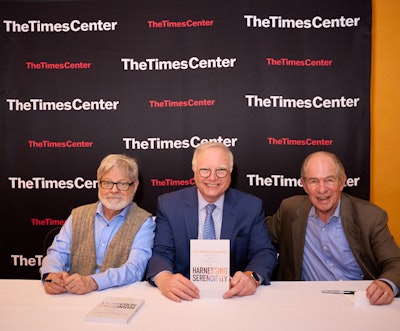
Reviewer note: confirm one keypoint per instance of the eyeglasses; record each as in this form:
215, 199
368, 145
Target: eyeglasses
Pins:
316, 182
122, 186
219, 172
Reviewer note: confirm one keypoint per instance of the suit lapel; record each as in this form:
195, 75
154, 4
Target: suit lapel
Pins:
299, 226
191, 215
352, 231
228, 216
350, 225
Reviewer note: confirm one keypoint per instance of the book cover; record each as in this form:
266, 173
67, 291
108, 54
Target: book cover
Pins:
114, 310
209, 266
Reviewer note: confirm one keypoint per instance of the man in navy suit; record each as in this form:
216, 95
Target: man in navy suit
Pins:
238, 216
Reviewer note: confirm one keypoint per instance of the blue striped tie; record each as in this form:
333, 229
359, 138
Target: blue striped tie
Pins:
209, 230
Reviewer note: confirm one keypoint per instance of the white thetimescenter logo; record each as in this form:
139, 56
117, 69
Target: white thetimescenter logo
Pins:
316, 22
46, 27
20, 260
191, 63
158, 143
41, 183
77, 104
279, 180
279, 101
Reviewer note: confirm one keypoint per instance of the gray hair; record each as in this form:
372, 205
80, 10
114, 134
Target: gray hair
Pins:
212, 144
124, 162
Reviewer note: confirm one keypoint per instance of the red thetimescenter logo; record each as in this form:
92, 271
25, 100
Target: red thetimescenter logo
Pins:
285, 62
167, 24
168, 103
67, 65
299, 142
171, 182
59, 144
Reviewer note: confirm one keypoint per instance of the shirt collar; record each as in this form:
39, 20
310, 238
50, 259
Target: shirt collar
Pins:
335, 216
202, 202
122, 213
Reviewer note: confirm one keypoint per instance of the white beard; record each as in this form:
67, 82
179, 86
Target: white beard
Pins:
111, 203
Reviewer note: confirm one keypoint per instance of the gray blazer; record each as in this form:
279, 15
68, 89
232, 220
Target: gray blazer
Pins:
365, 227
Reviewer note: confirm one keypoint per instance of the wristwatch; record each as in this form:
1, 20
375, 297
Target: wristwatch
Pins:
254, 277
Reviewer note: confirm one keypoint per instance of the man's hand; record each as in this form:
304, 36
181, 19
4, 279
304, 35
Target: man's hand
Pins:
54, 283
241, 285
176, 287
379, 293
79, 284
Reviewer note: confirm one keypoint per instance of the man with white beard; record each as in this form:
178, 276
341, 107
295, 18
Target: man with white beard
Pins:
103, 244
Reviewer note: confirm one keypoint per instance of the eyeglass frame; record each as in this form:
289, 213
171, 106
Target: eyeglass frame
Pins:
215, 171
116, 184
328, 181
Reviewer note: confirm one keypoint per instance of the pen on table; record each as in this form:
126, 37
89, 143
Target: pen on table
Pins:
338, 292
52, 281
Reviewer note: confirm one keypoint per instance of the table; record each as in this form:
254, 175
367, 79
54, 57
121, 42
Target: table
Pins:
281, 306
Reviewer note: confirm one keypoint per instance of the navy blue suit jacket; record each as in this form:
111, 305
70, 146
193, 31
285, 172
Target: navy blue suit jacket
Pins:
243, 222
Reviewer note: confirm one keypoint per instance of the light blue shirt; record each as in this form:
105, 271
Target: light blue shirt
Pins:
58, 254
217, 215
327, 254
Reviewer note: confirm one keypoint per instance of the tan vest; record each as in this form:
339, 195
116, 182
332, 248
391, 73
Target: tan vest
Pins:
83, 250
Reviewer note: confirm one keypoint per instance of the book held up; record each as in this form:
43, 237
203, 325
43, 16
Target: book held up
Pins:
209, 266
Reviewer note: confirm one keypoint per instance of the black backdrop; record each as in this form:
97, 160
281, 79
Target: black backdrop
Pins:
275, 80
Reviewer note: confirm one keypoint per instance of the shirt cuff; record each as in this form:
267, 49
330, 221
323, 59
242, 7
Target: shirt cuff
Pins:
394, 287
152, 280
45, 276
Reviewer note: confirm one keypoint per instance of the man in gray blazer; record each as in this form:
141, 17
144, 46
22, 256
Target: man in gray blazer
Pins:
330, 235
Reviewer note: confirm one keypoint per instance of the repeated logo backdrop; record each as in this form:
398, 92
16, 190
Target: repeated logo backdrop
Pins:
273, 80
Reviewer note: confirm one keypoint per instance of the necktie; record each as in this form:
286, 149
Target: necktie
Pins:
209, 230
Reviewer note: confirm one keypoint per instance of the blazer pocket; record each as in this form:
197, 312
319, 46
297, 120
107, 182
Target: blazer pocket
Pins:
241, 242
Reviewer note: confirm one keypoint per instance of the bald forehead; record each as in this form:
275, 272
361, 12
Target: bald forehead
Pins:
212, 151
318, 162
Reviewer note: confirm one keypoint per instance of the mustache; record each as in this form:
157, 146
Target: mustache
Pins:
113, 195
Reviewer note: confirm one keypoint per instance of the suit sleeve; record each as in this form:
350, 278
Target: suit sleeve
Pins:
163, 250
385, 249
262, 254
